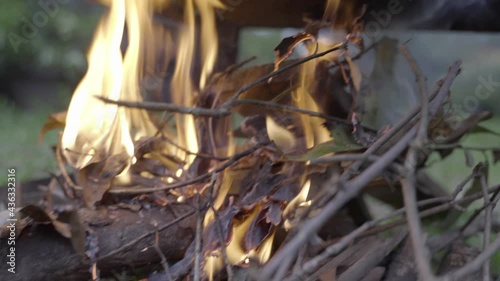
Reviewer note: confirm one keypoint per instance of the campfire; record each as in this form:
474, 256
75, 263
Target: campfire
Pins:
239, 172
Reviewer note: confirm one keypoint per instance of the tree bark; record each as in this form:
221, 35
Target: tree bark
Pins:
43, 254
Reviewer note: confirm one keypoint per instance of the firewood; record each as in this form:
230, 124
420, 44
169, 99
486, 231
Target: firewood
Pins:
43, 254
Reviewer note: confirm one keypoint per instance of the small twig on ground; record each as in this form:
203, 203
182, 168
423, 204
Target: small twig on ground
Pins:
164, 261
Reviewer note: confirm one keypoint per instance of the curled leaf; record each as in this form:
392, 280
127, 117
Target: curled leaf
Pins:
96, 178
287, 45
54, 121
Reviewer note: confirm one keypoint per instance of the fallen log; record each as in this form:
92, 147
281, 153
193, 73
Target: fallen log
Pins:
125, 239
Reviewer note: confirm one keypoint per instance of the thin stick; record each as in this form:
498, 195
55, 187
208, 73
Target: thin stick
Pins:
219, 169
474, 265
408, 182
197, 256
422, 90
487, 224
336, 47
435, 210
290, 108
218, 226
161, 106
284, 256
146, 235
164, 261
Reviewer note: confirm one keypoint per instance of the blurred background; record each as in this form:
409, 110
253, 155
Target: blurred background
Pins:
41, 65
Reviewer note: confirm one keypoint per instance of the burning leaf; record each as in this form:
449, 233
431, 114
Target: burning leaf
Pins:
356, 75
288, 44
264, 184
273, 214
211, 236
54, 121
283, 138
258, 231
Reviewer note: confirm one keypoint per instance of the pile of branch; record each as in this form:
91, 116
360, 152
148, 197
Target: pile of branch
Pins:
136, 226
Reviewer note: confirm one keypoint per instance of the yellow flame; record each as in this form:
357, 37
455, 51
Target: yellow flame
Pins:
184, 92
95, 130
236, 254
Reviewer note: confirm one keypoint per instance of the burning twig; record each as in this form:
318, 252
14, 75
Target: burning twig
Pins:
205, 176
156, 106
336, 47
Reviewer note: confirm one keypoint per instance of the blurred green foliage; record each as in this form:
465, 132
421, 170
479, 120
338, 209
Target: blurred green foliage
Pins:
35, 39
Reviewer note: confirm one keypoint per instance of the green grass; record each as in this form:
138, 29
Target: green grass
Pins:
19, 130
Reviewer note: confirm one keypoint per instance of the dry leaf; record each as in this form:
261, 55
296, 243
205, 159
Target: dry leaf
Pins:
38, 214
54, 121
77, 229
258, 231
287, 45
96, 178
